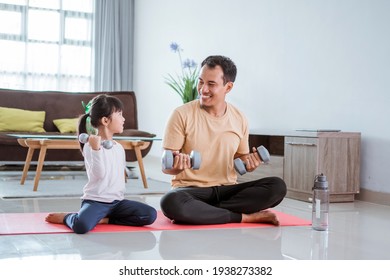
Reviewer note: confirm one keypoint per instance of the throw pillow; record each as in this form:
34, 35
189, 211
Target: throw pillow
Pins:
66, 125
13, 119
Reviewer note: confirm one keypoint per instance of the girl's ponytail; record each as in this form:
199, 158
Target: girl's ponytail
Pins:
82, 128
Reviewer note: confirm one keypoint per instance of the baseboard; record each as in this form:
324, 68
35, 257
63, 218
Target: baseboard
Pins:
373, 197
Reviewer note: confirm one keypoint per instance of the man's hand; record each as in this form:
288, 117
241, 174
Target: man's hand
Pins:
251, 160
180, 162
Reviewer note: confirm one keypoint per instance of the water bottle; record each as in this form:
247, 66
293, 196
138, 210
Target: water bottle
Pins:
320, 209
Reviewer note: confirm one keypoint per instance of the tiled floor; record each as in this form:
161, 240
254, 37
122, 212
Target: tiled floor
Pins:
357, 231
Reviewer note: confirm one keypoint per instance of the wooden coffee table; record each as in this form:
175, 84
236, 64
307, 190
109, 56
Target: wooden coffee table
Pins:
59, 142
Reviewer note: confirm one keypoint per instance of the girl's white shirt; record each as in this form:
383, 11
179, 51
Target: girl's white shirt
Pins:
106, 173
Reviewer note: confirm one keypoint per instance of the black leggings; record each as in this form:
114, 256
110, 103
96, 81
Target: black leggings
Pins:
222, 204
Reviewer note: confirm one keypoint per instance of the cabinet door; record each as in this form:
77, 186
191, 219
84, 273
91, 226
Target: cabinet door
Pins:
300, 165
339, 160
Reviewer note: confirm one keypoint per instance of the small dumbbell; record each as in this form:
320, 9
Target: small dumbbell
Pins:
168, 158
83, 138
239, 165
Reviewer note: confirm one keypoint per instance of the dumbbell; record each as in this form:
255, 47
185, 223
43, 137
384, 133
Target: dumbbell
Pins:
239, 165
83, 138
168, 158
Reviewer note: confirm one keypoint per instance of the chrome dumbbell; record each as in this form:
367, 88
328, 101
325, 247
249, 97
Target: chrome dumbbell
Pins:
264, 155
83, 138
168, 158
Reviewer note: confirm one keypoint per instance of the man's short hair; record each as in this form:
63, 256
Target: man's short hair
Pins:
228, 67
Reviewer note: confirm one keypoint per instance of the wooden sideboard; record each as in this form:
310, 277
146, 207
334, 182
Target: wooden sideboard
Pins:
298, 156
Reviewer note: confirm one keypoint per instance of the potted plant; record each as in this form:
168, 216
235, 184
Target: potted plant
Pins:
185, 84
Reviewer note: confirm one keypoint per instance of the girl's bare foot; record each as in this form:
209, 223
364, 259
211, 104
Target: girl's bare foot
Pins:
55, 218
264, 216
58, 218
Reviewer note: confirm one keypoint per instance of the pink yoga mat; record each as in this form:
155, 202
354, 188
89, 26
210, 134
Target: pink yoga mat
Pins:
34, 223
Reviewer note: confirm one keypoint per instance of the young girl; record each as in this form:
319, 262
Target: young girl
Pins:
103, 199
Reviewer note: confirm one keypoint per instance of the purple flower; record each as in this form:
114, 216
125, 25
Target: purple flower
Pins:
189, 63
175, 47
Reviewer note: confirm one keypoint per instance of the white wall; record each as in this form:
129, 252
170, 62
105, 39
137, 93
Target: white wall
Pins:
301, 64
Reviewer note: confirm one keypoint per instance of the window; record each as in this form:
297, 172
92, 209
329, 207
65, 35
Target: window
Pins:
46, 44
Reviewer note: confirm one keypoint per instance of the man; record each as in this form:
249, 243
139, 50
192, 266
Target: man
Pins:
219, 132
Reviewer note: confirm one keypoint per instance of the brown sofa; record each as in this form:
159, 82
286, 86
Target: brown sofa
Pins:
58, 105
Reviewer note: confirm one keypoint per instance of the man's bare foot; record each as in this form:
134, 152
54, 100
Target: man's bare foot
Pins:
264, 216
55, 218
103, 221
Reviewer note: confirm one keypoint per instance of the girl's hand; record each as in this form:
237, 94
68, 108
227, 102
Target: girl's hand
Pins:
95, 142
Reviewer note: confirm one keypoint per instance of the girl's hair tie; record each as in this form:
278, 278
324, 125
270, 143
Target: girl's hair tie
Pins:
87, 107
88, 126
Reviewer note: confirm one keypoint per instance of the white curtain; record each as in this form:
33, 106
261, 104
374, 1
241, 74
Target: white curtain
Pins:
113, 45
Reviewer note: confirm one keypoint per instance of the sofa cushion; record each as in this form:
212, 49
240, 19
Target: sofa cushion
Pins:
66, 125
13, 119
